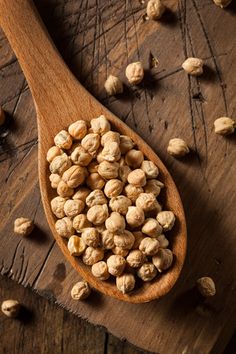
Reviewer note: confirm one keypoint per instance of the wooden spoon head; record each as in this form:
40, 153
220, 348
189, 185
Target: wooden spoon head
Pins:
48, 128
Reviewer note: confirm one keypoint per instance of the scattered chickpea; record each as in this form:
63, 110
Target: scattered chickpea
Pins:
100, 270
193, 66
96, 197
155, 9
166, 219
149, 246
120, 204
153, 186
163, 259
113, 188
80, 156
100, 125
95, 181
111, 152
135, 216
90, 236
132, 192
23, 226
10, 308
147, 202
113, 85
74, 176
91, 143
53, 152
76, 245
54, 179
222, 3
163, 241
57, 206
124, 240
63, 140
150, 169
147, 272
64, 227
80, 222
92, 255
110, 137
108, 170
78, 129
116, 265
134, 158
60, 164
73, 207
81, 194
206, 286
152, 228
63, 190
135, 258
125, 282
224, 126
137, 178
115, 223
177, 147
107, 240
80, 291
126, 144
97, 214
134, 73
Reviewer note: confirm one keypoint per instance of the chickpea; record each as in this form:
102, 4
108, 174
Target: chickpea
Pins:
193, 66
120, 251
111, 152
100, 158
81, 194
132, 192
96, 197
137, 178
124, 171
153, 186
222, 3
135, 216
124, 240
91, 143
80, 222
110, 137
163, 242
100, 125
224, 126
97, 214
108, 170
149, 246
73, 207
147, 272
11, 308
76, 245
100, 270
63, 190
54, 179
53, 152
74, 176
115, 223
64, 227
126, 144
163, 259
135, 258
120, 204
155, 9
147, 202
63, 140
57, 206
177, 147
134, 73
107, 240
113, 85
139, 236
23, 226
95, 181
113, 188
80, 291
116, 265
92, 255
80, 156
78, 129
152, 228
166, 219
91, 237
150, 169
206, 286
134, 158
125, 283
60, 164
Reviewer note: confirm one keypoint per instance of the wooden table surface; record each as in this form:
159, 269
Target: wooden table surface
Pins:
97, 38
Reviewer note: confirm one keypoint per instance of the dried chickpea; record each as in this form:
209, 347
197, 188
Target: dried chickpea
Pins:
150, 169
151, 227
120, 251
224, 126
97, 214
177, 147
60, 164
100, 270
78, 129
76, 245
132, 192
137, 178
134, 158
108, 170
100, 156
110, 137
155, 9
134, 73
120, 204
80, 156
111, 152
163, 242
54, 179
73, 207
147, 272
135, 216
163, 259
125, 282
64, 227
53, 152
80, 291
96, 197
91, 143
23, 226
63, 140
126, 144
135, 258
92, 255
81, 194
63, 190
80, 222
100, 125
139, 236
206, 286
149, 246
113, 188
92, 167
95, 181
193, 66
115, 223
124, 171
222, 3
153, 186
57, 206
10, 308
113, 85
166, 219
147, 202
124, 240
91, 237
107, 240
74, 176
116, 265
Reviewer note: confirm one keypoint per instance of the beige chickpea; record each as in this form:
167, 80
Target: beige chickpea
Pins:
107, 240
135, 216
74, 176
155, 9
100, 156
64, 227
132, 192
91, 237
124, 171
53, 152
80, 222
134, 158
63, 190
224, 126
80, 156
134, 73
126, 144
73, 207
113, 85
80, 291
139, 236
63, 140
57, 206
54, 179
23, 226
100, 270
95, 181
149, 246
97, 214
81, 194
148, 202
222, 3
152, 228
125, 282
147, 272
60, 164
108, 170
153, 186
163, 259
193, 66
206, 286
137, 178
115, 223
166, 219
96, 197
150, 169
110, 137
111, 152
91, 143
113, 188
78, 129
135, 258
163, 241
120, 204
100, 125
124, 240
120, 251
76, 245
11, 308
116, 265
92, 255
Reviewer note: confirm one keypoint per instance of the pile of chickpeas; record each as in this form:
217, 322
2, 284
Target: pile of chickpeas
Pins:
106, 203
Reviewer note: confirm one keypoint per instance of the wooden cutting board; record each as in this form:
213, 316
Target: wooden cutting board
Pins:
97, 38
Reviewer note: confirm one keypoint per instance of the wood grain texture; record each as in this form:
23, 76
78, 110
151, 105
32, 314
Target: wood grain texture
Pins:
98, 38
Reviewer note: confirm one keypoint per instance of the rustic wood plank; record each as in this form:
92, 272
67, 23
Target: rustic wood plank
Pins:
97, 38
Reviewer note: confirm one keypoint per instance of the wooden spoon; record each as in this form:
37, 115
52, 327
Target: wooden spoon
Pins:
60, 100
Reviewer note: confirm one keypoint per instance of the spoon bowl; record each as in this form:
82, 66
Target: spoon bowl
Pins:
60, 100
